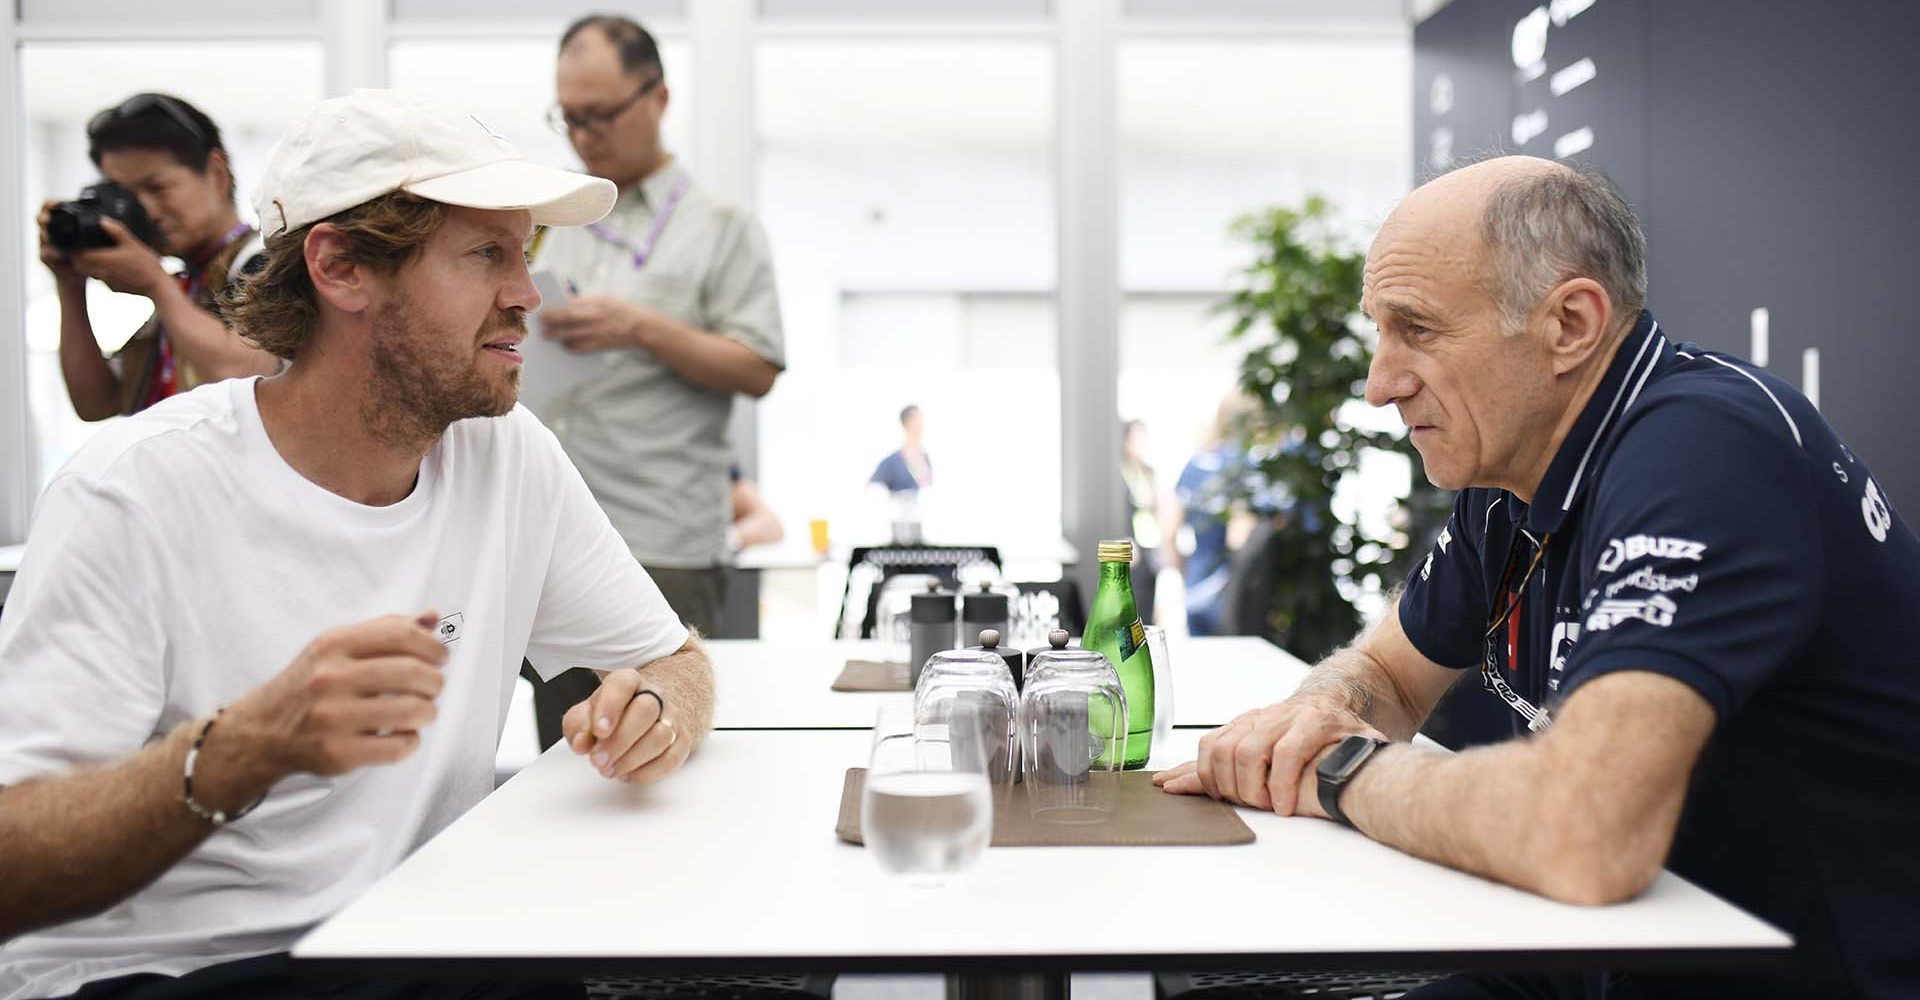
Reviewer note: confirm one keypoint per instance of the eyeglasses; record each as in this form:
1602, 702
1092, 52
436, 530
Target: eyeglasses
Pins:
1535, 718
595, 123
140, 104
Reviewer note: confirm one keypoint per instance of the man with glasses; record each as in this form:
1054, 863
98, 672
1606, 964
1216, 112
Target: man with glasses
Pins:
1694, 599
167, 154
679, 300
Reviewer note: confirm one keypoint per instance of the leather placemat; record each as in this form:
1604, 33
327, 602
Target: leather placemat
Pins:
872, 675
1143, 816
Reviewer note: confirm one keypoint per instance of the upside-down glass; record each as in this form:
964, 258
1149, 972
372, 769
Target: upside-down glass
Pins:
1073, 736
926, 810
967, 697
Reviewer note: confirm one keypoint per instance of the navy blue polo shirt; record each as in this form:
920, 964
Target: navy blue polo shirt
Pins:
1702, 521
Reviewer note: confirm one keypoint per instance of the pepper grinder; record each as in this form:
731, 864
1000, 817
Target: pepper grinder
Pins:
930, 627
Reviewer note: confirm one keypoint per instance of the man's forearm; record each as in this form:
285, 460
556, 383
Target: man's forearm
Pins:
707, 359
1583, 813
91, 384
76, 845
685, 680
206, 343
1351, 679
1469, 811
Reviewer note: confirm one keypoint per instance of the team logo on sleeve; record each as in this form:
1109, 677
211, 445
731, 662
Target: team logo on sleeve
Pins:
1446, 539
1634, 548
1874, 508
1656, 610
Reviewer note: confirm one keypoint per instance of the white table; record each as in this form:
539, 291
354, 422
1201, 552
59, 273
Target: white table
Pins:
769, 685
733, 866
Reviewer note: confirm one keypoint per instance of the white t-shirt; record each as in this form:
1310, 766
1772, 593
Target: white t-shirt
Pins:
178, 563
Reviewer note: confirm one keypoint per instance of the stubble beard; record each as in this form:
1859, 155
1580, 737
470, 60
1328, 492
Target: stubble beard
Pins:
418, 388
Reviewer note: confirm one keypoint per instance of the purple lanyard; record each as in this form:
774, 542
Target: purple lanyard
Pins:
197, 278
645, 248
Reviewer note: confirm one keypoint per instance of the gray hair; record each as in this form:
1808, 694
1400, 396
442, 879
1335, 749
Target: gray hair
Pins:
1562, 224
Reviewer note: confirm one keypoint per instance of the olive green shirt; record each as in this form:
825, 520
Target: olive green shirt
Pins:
652, 445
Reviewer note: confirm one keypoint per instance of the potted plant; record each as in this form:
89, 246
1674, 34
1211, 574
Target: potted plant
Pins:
1295, 308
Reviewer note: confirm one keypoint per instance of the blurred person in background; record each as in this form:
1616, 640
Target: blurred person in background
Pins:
680, 299
751, 521
168, 154
1211, 516
907, 470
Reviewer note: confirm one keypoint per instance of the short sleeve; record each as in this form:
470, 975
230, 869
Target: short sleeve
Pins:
1443, 607
1705, 565
741, 296
83, 641
598, 608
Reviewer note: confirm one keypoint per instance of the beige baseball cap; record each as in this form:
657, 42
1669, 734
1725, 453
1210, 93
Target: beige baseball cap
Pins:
350, 150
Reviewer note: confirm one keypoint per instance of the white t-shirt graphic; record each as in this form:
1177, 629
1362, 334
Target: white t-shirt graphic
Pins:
178, 563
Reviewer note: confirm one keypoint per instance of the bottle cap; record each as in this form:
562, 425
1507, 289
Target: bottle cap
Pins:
1116, 551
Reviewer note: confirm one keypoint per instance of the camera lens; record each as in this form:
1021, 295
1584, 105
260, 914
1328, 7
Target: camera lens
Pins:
66, 225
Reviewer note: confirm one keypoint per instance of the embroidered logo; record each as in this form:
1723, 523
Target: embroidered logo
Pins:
1656, 610
1621, 551
451, 628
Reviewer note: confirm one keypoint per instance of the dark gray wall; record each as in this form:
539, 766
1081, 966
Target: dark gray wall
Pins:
1770, 149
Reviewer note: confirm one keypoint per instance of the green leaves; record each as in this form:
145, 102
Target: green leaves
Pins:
1295, 309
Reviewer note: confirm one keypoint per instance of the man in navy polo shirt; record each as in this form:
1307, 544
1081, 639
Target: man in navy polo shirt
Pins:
1696, 601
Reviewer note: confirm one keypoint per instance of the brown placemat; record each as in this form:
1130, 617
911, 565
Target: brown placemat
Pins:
872, 675
1143, 816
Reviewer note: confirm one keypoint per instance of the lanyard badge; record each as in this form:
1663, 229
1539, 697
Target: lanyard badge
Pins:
1535, 718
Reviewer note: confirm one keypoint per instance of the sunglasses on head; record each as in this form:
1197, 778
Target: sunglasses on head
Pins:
140, 104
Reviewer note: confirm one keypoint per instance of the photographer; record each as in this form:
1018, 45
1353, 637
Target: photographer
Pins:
166, 155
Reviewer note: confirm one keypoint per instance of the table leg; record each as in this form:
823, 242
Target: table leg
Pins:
1051, 986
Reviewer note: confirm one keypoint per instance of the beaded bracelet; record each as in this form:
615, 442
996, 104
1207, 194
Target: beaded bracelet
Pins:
217, 817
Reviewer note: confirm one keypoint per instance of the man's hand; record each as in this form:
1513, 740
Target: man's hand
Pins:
1265, 758
628, 730
53, 257
598, 323
127, 266
357, 695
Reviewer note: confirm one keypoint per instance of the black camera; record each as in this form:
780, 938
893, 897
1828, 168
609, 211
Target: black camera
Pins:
75, 225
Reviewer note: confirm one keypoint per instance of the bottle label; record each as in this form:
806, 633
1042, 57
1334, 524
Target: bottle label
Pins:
1132, 637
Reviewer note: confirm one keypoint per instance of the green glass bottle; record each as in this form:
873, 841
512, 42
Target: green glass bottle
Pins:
1114, 630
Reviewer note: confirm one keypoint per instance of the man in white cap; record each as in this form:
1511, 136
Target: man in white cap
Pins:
264, 633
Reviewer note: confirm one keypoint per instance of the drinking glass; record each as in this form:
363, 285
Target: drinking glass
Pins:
967, 697
926, 810
1073, 736
1162, 686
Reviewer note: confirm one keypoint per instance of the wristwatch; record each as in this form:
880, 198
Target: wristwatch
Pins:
1338, 769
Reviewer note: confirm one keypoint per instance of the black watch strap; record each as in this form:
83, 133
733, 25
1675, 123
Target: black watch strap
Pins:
1330, 784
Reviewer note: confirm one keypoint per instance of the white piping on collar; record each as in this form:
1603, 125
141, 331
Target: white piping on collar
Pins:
1614, 408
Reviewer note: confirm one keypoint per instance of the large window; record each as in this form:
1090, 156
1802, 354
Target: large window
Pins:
1211, 129
908, 189
250, 89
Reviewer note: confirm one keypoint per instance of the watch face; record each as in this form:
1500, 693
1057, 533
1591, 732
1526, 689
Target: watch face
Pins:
1346, 758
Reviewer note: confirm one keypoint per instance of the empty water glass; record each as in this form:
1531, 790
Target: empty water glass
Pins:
967, 697
1073, 734
926, 810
